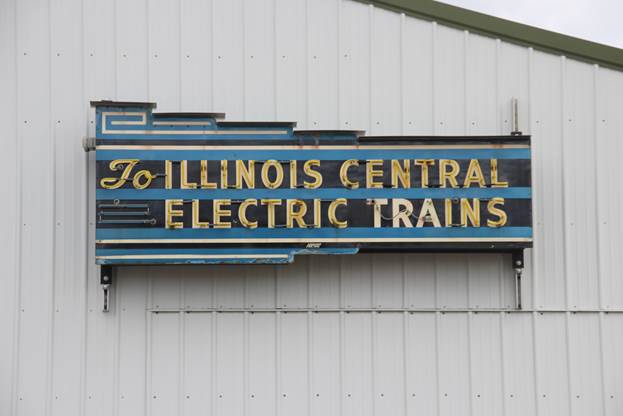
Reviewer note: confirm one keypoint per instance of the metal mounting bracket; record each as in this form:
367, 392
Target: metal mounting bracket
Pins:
515, 117
88, 144
518, 265
106, 280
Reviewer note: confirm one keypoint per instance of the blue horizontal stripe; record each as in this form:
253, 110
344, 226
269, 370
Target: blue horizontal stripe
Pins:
306, 154
199, 136
326, 193
224, 260
224, 251
424, 232
287, 252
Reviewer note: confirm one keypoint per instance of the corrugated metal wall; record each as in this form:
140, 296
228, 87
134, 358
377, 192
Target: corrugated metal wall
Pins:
385, 334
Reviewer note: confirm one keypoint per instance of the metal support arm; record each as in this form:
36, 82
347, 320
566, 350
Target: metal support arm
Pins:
106, 279
518, 265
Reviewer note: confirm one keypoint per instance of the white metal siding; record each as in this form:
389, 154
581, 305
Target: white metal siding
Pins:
364, 335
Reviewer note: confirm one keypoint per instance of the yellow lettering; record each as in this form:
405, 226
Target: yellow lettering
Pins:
168, 174
428, 214
293, 177
184, 183
378, 203
474, 175
307, 168
170, 212
470, 212
270, 207
114, 183
331, 213
344, 174
219, 210
242, 213
495, 183
224, 182
424, 164
295, 210
317, 212
448, 211
196, 222
491, 207
401, 215
142, 174
205, 184
278, 174
402, 173
246, 174
446, 175
372, 173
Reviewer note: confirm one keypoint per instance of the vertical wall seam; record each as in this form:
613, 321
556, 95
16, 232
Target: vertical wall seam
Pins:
277, 322
116, 46
306, 65
82, 380
501, 319
498, 113
371, 71
337, 63
18, 229
211, 107
147, 343
275, 59
182, 345
568, 361
309, 322
148, 54
535, 214
53, 215
181, 392
437, 366
470, 363
434, 78
341, 363
373, 316
565, 233
116, 350
498, 128
405, 362
402, 71
433, 131
179, 55
213, 361
245, 362
466, 129
535, 384
244, 60
600, 277
602, 362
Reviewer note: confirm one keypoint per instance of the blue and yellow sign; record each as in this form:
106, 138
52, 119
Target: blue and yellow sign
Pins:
192, 188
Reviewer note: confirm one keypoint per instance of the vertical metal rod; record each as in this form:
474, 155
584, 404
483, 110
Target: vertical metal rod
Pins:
517, 288
515, 117
106, 279
518, 265
106, 307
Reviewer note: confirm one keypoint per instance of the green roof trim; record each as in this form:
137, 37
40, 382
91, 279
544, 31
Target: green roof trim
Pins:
507, 30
